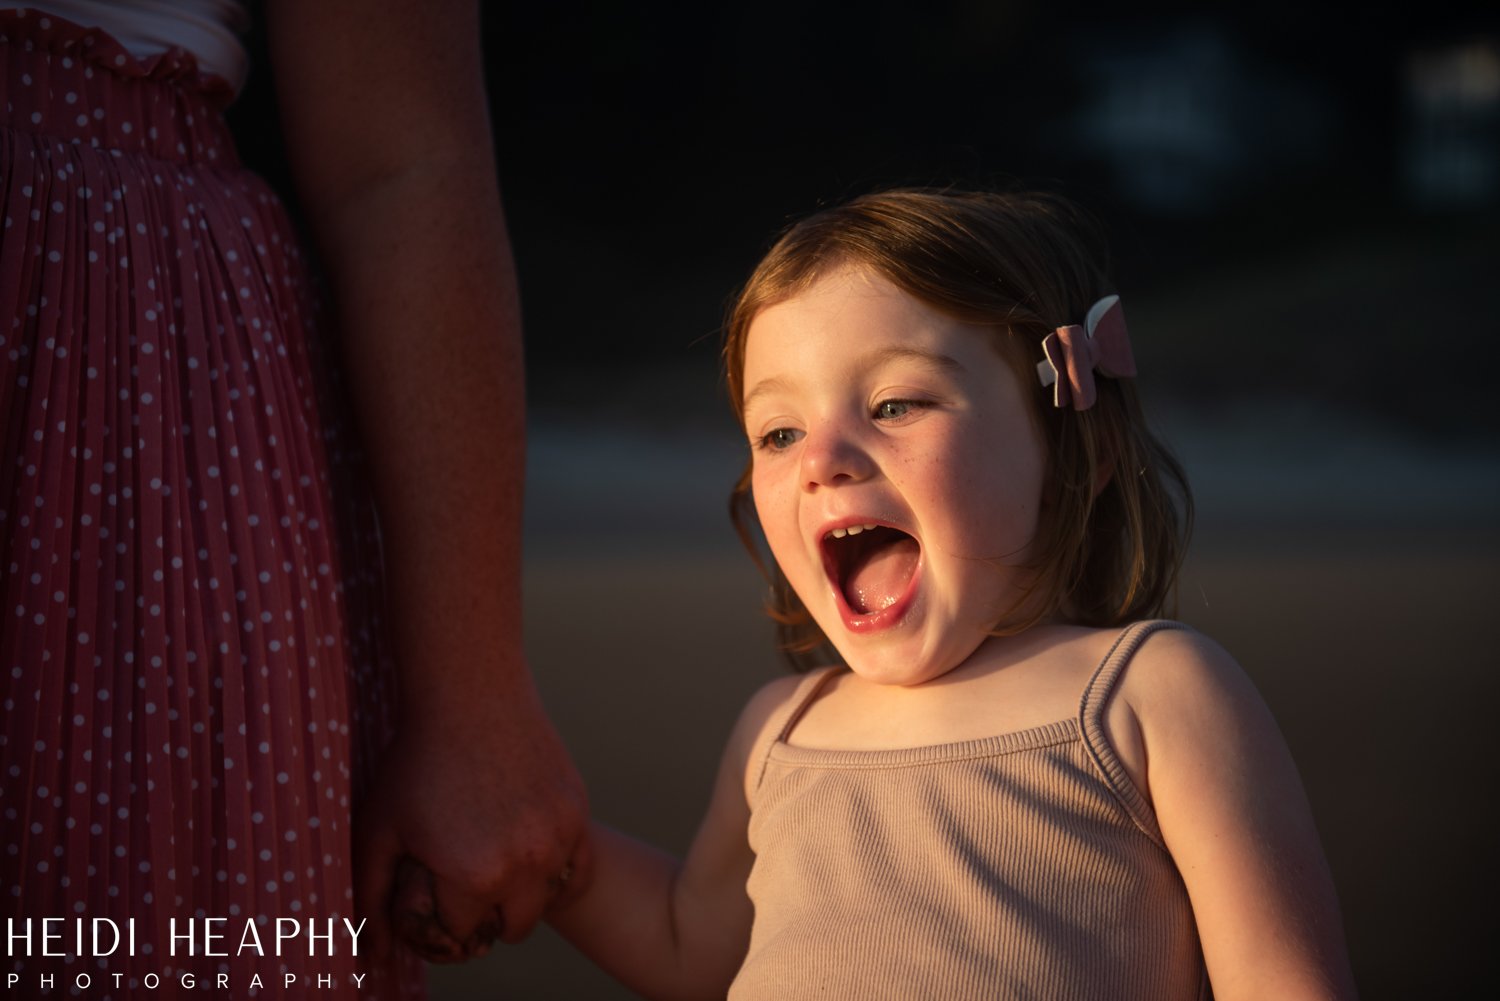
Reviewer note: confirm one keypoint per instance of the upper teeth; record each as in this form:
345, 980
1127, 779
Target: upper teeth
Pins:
839, 533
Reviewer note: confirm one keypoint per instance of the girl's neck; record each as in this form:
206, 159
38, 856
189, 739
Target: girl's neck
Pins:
1009, 683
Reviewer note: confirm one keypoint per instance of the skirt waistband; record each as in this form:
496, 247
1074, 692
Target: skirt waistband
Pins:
77, 84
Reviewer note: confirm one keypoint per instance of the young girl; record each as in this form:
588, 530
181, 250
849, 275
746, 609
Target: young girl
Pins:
1015, 784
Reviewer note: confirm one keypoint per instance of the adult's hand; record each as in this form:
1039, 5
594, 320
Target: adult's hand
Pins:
495, 813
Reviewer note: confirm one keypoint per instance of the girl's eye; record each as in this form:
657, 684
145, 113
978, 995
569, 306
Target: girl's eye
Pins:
892, 410
778, 439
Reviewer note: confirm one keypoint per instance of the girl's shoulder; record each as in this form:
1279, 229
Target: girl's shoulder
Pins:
1176, 669
1176, 690
765, 716
1159, 687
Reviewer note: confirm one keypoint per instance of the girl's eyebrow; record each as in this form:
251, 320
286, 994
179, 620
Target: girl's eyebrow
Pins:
931, 359
762, 388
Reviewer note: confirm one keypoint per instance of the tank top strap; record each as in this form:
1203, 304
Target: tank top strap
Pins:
1091, 710
780, 726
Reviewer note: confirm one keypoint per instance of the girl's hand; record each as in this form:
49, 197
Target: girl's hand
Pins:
666, 928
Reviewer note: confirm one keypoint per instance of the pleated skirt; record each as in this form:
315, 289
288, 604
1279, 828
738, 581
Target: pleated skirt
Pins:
191, 674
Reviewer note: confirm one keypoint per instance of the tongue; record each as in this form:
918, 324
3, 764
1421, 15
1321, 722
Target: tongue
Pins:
881, 578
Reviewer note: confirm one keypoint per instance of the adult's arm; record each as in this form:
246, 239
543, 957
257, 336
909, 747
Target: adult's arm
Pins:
389, 140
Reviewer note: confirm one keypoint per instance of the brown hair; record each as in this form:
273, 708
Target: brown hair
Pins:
1024, 264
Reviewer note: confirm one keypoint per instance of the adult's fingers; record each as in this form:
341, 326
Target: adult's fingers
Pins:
523, 906
414, 915
471, 921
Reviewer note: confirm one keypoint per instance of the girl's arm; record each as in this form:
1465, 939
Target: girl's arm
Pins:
1236, 820
388, 135
672, 929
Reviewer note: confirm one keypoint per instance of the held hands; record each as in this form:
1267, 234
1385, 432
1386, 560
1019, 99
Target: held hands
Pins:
414, 918
474, 827
415, 921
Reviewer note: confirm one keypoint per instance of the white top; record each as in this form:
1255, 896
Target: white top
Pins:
209, 29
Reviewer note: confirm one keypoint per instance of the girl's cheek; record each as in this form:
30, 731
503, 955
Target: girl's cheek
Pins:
767, 506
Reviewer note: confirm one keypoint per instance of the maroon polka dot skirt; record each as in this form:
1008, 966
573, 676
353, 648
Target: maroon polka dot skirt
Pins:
191, 685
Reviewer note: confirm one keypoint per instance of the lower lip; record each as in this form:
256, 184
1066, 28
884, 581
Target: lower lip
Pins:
884, 618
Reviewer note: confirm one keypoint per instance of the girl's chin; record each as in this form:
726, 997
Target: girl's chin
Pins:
905, 661
893, 667
900, 675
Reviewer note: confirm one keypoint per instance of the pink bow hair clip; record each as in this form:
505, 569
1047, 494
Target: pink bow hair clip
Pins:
1075, 353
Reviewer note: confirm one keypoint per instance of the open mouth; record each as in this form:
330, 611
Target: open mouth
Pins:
871, 565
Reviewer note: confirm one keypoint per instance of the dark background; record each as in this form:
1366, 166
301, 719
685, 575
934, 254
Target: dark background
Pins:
648, 154
1304, 204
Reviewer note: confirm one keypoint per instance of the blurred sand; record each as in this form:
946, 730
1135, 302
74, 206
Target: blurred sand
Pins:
1358, 601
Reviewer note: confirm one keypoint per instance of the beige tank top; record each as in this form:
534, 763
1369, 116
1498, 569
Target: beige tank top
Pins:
1026, 865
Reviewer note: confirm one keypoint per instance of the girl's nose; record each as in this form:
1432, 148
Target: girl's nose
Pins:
831, 457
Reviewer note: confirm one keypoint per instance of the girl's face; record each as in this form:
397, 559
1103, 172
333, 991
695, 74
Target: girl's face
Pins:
897, 472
